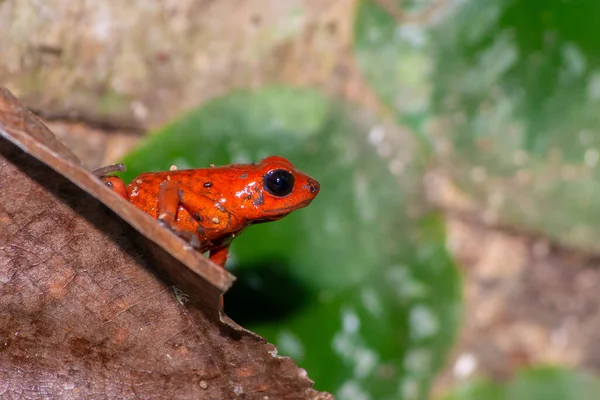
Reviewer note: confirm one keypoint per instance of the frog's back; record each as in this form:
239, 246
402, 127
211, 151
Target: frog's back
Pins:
144, 189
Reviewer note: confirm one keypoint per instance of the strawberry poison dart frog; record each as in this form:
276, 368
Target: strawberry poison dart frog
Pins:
211, 206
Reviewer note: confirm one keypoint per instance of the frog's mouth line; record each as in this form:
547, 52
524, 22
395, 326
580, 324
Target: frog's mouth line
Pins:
269, 219
278, 213
281, 212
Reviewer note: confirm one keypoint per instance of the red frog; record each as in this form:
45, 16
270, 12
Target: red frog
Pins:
211, 206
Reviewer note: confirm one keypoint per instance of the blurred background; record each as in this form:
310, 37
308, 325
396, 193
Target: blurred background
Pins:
452, 252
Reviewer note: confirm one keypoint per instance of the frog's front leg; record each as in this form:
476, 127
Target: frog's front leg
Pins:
219, 255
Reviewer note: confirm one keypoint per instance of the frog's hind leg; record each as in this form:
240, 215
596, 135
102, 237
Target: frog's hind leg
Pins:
168, 203
116, 184
113, 182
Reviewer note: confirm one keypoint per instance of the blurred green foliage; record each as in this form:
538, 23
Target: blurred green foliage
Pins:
544, 383
507, 93
519, 86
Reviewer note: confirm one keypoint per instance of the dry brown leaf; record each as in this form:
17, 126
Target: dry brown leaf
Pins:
84, 309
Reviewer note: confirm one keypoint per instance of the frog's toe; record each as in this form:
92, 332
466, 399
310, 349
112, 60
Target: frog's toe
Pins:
100, 172
195, 242
188, 236
165, 224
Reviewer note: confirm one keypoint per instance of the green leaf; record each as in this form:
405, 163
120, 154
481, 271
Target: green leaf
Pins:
519, 91
511, 92
547, 383
394, 60
362, 296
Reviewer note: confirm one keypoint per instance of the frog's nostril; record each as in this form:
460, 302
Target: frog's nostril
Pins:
313, 186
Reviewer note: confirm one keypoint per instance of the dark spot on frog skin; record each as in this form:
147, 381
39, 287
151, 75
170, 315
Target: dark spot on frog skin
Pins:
109, 184
249, 197
208, 184
259, 200
220, 207
243, 176
198, 217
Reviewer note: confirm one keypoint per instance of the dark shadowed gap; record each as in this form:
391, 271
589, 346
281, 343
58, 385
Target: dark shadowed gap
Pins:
265, 292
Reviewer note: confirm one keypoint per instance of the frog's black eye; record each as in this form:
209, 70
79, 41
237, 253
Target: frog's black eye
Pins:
279, 182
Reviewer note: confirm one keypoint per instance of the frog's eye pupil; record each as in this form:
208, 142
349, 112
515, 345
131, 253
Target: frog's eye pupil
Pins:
279, 182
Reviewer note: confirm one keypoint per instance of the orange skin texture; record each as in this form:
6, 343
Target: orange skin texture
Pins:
211, 206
